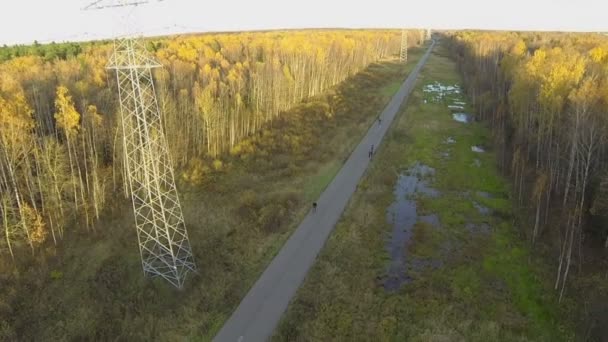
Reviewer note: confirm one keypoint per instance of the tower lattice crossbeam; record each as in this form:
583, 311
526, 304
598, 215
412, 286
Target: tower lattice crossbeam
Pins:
163, 239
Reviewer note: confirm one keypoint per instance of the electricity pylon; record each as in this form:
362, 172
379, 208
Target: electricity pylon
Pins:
163, 240
428, 33
403, 52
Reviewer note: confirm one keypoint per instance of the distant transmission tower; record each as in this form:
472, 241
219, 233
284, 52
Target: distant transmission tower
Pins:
403, 53
428, 33
163, 239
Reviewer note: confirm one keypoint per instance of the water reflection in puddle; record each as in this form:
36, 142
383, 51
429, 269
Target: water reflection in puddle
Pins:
440, 91
403, 216
461, 117
479, 228
477, 149
441, 88
481, 209
484, 194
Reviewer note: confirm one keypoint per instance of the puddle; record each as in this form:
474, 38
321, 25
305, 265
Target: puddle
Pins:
457, 107
477, 149
446, 154
477, 228
418, 265
440, 91
437, 87
403, 216
461, 117
481, 209
484, 194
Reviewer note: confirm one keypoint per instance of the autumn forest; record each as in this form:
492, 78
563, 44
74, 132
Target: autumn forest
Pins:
61, 144
545, 97
257, 125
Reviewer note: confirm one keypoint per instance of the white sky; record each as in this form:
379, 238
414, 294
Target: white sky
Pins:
23, 21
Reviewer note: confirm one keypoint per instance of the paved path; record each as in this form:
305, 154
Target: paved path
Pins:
260, 311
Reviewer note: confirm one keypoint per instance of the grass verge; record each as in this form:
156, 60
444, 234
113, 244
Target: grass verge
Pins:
484, 288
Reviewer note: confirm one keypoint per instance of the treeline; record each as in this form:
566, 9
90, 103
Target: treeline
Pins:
546, 97
48, 52
60, 137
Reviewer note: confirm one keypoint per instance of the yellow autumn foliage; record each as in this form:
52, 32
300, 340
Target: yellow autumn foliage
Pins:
68, 119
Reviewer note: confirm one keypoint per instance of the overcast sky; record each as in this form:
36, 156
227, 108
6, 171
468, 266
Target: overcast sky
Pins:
23, 21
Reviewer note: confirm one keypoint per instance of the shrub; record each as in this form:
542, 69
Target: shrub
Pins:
195, 171
271, 217
217, 165
249, 204
56, 275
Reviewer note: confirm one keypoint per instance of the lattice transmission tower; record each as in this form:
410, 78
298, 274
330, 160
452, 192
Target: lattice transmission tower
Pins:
403, 52
163, 240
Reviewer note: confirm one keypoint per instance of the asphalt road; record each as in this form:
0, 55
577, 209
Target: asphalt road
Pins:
259, 312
